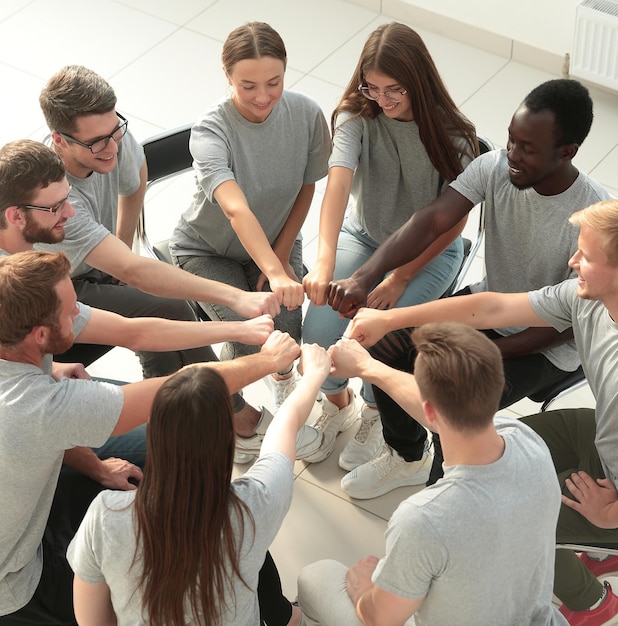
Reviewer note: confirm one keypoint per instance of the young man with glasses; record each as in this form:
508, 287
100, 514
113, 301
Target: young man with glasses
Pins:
107, 170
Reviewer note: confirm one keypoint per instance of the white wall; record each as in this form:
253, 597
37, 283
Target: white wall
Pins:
537, 32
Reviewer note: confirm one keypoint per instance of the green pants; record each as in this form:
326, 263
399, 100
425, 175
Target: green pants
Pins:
569, 435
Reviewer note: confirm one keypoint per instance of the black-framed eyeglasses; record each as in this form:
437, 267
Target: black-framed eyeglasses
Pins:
100, 144
50, 209
371, 93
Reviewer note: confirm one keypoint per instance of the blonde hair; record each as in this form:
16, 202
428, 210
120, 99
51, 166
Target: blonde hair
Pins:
603, 217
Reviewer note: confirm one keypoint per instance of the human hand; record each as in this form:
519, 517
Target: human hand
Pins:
117, 472
69, 370
367, 327
314, 359
348, 358
289, 291
358, 577
281, 349
315, 284
346, 296
594, 499
387, 293
250, 304
256, 331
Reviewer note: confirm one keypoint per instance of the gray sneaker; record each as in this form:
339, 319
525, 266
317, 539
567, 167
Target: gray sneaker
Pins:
367, 443
385, 473
331, 422
308, 440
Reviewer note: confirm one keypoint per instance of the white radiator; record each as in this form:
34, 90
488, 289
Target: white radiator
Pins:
595, 46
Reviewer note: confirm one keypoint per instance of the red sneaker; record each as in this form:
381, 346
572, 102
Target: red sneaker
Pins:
599, 568
601, 616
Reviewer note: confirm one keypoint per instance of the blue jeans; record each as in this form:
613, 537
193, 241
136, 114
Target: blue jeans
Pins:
324, 326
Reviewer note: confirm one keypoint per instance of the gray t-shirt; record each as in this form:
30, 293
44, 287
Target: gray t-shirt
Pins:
270, 162
104, 546
95, 200
393, 175
596, 336
40, 419
480, 542
528, 238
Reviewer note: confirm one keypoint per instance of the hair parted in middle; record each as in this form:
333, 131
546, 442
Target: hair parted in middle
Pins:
185, 504
459, 370
73, 92
28, 296
399, 52
252, 40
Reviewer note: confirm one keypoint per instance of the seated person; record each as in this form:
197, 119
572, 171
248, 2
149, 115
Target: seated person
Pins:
475, 549
529, 190
216, 533
45, 413
34, 208
582, 441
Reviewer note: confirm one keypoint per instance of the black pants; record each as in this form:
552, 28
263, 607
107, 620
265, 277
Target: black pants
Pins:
523, 376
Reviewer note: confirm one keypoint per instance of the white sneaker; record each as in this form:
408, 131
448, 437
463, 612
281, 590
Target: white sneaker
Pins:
331, 422
367, 443
308, 440
385, 473
280, 390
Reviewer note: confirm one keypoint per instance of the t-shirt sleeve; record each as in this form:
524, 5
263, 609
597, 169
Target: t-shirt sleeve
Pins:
415, 554
83, 551
554, 303
83, 412
319, 150
472, 183
129, 165
267, 489
347, 142
81, 319
212, 158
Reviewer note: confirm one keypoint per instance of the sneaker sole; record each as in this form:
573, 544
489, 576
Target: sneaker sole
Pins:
420, 478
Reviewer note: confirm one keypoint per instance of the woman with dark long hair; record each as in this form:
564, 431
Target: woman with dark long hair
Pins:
398, 140
187, 547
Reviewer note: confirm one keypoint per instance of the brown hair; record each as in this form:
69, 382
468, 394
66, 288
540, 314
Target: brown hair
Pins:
252, 41
25, 167
185, 503
602, 216
459, 370
73, 92
399, 52
28, 295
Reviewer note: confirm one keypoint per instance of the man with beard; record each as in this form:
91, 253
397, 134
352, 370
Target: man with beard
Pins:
35, 208
530, 190
44, 412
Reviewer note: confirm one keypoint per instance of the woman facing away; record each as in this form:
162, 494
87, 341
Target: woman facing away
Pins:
188, 545
257, 156
398, 140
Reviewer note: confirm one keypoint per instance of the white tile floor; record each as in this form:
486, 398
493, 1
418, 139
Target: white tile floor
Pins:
163, 59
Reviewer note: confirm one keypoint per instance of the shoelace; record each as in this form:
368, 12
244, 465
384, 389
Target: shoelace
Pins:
365, 430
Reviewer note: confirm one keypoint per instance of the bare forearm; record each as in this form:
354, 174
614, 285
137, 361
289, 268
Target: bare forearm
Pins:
129, 210
296, 219
532, 341
482, 310
157, 334
85, 461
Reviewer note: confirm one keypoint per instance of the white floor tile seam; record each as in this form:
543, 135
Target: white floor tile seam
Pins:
343, 497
